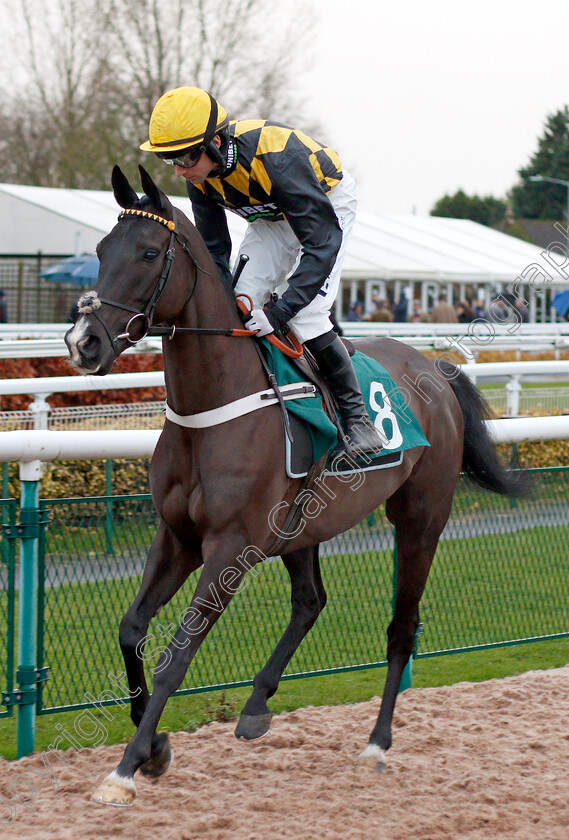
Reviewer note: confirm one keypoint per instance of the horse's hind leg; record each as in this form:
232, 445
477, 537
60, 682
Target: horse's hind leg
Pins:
167, 568
419, 518
308, 598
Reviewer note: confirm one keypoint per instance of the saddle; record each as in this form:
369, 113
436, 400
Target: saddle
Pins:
300, 455
303, 458
307, 457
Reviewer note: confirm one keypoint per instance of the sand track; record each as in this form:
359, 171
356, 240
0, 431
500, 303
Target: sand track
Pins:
485, 760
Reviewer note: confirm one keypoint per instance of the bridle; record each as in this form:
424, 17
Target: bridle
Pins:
90, 302
148, 312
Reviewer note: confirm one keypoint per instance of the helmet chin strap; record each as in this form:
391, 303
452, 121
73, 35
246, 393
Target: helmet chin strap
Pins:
207, 144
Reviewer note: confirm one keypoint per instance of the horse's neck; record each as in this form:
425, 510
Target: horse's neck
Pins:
206, 371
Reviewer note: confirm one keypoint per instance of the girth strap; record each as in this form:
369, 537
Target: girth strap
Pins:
238, 408
288, 529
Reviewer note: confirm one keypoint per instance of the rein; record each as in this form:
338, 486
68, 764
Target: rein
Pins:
91, 302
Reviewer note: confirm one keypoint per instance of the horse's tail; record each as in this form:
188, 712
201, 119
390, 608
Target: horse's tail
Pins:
480, 459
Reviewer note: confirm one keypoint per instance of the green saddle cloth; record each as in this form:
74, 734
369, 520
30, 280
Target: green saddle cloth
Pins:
398, 427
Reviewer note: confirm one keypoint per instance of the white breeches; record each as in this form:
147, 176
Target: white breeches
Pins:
274, 252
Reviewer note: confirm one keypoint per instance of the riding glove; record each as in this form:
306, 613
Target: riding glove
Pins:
260, 320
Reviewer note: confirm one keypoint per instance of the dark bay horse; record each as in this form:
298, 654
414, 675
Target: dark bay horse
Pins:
216, 487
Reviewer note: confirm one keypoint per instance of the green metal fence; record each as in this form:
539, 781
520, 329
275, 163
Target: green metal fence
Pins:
500, 577
501, 573
8, 509
29, 297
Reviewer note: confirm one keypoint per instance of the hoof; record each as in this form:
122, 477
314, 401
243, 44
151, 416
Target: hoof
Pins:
161, 760
115, 790
251, 727
372, 759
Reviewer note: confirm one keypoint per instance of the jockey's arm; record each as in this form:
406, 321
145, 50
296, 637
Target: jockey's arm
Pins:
211, 221
313, 220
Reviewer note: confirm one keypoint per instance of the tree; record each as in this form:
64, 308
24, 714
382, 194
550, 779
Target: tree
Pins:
544, 200
48, 120
487, 211
95, 68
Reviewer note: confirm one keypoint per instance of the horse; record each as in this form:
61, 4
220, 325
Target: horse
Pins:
216, 487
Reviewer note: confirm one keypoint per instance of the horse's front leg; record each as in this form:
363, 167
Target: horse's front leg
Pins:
168, 566
220, 579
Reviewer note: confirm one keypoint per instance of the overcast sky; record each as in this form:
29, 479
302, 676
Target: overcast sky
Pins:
423, 98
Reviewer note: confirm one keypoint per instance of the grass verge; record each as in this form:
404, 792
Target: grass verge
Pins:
192, 711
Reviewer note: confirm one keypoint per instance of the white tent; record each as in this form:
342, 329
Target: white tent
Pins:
440, 253
384, 248
406, 247
58, 221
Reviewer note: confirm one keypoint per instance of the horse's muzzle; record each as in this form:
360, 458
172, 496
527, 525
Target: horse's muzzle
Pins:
86, 351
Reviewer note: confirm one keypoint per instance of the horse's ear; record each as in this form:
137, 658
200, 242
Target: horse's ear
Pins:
153, 192
124, 193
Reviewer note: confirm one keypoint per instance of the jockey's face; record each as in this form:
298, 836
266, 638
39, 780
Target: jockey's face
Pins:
201, 170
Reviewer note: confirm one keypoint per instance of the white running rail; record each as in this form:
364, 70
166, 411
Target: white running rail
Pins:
155, 379
42, 387
46, 340
41, 445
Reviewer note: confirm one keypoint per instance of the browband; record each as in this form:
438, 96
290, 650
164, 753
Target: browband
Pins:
132, 212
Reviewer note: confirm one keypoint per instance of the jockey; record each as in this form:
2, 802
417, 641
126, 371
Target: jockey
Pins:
300, 207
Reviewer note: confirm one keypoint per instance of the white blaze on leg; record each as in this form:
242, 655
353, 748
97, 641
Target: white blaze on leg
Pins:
115, 790
373, 757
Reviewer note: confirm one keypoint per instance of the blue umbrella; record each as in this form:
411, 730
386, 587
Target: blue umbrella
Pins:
561, 303
80, 271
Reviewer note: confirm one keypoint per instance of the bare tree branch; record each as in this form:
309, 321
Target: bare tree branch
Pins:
92, 71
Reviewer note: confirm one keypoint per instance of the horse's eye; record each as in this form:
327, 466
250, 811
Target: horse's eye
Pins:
150, 255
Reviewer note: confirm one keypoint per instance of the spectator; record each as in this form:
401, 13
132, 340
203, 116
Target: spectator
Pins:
3, 308
478, 308
503, 311
382, 312
443, 312
400, 309
420, 317
355, 312
464, 313
522, 310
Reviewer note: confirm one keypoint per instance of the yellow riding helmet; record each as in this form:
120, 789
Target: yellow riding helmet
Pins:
184, 117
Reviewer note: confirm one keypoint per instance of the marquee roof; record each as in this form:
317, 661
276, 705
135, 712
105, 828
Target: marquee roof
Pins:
383, 246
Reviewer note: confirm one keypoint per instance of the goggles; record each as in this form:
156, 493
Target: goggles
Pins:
186, 160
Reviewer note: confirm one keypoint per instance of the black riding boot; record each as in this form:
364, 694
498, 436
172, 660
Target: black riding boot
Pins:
336, 368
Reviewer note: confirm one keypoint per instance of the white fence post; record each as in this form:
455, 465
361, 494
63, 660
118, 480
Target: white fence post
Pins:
40, 409
513, 391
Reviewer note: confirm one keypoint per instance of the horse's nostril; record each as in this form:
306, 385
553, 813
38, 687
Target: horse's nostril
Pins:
89, 347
